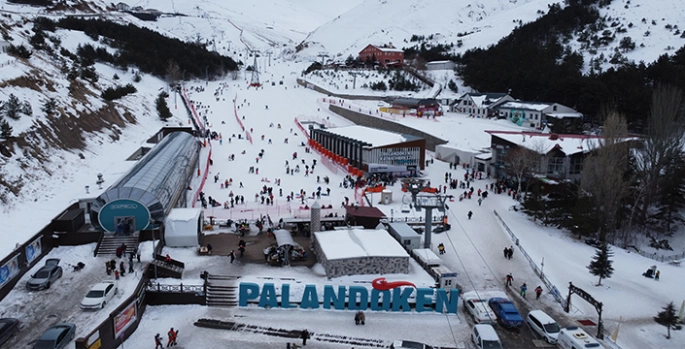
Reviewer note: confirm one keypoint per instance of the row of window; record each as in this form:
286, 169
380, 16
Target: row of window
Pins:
555, 165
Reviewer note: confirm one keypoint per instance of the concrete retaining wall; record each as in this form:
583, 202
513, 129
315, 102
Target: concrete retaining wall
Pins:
386, 125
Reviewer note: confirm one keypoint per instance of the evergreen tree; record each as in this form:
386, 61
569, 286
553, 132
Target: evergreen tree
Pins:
667, 318
49, 107
671, 193
13, 107
162, 108
5, 129
601, 264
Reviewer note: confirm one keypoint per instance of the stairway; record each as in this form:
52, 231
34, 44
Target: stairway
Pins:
172, 269
110, 242
222, 291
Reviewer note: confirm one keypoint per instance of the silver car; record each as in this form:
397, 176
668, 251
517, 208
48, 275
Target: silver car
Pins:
45, 276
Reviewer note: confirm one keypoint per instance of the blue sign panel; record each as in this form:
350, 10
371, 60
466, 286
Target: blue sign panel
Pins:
33, 251
124, 215
9, 270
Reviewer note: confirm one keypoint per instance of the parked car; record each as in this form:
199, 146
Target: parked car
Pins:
8, 328
99, 295
485, 337
507, 315
479, 311
409, 345
56, 337
543, 325
45, 276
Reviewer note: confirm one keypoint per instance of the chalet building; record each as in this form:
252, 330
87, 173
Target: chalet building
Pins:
480, 104
560, 158
385, 55
122, 7
535, 114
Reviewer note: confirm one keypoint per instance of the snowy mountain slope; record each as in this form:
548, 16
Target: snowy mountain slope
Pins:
645, 22
381, 21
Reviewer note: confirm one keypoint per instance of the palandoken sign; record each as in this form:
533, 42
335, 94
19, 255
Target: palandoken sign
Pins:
388, 296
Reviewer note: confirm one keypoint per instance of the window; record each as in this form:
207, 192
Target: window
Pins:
555, 166
407, 242
554, 108
576, 165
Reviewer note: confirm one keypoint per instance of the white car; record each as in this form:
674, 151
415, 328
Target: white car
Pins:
485, 337
543, 325
479, 311
99, 295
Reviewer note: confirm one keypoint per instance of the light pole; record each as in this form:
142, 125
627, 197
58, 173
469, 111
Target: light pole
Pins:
207, 74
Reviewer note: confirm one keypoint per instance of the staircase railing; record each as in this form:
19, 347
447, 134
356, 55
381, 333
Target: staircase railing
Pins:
97, 247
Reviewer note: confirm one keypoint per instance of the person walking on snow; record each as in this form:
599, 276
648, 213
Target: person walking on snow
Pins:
158, 342
538, 292
524, 288
510, 278
170, 334
304, 335
441, 248
470, 214
231, 256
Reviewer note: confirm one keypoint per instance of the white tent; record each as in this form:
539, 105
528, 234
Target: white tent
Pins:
183, 227
284, 237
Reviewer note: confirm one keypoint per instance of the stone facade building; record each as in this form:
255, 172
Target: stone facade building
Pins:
359, 251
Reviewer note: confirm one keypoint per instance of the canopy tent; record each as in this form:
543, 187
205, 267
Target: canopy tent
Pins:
284, 237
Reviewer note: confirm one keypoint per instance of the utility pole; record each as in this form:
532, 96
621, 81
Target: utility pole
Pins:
214, 41
354, 79
207, 75
269, 54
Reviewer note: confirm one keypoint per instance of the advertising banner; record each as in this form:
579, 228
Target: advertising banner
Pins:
33, 251
9, 270
125, 319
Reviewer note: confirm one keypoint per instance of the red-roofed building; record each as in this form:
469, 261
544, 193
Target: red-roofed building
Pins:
385, 55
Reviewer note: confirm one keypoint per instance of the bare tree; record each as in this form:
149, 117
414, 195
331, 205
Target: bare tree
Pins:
519, 162
662, 145
173, 73
604, 173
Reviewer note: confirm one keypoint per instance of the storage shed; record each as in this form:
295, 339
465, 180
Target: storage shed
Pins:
407, 236
183, 227
70, 221
427, 258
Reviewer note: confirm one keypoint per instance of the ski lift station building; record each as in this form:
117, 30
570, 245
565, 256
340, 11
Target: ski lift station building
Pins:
144, 196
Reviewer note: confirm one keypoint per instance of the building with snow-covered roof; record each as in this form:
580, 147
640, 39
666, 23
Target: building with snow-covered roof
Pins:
373, 150
385, 55
561, 155
479, 104
359, 251
440, 65
535, 114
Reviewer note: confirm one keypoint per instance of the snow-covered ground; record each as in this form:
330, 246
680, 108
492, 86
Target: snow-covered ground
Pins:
474, 247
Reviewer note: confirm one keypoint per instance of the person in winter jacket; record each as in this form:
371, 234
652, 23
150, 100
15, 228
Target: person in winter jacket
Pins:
524, 288
158, 341
510, 278
538, 292
304, 335
171, 335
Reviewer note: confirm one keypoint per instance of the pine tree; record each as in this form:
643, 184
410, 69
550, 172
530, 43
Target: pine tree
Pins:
601, 264
49, 107
162, 108
5, 129
671, 193
667, 318
13, 107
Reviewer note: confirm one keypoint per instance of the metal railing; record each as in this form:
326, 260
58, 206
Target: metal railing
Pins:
181, 288
553, 290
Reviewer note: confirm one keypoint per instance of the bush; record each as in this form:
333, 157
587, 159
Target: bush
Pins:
19, 51
111, 94
379, 86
